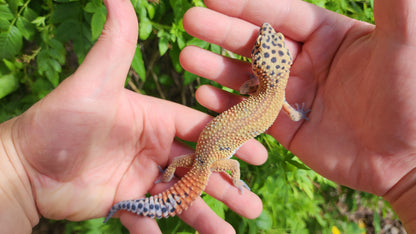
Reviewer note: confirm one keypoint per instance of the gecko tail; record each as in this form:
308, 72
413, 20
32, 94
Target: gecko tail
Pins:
169, 203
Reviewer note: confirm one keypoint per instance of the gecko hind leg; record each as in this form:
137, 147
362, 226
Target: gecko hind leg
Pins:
233, 166
180, 161
297, 113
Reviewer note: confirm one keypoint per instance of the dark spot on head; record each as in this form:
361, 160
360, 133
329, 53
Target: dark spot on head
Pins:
151, 206
273, 51
271, 85
185, 194
283, 60
145, 209
123, 206
140, 205
128, 206
281, 53
163, 209
266, 55
157, 206
277, 66
273, 60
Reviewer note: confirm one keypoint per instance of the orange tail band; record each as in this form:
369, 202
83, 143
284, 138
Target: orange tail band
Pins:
169, 203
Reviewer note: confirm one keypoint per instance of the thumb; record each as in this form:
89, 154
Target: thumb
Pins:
396, 18
107, 63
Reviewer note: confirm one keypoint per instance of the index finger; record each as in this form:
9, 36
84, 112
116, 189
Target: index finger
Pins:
294, 18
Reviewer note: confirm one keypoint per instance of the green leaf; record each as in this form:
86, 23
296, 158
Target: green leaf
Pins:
174, 57
189, 78
145, 28
138, 64
181, 41
54, 65
39, 21
163, 45
8, 84
5, 12
53, 77
64, 12
97, 22
56, 50
90, 7
215, 48
150, 10
14, 5
69, 30
198, 42
48, 61
165, 80
4, 24
9, 65
30, 14
217, 206
264, 221
10, 43
26, 27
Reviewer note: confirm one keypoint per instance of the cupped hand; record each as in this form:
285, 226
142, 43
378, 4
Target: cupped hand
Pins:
91, 143
356, 78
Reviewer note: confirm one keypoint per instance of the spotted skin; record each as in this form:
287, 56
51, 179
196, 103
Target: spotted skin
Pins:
221, 137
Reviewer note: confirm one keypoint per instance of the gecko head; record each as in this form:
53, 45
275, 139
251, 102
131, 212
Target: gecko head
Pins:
270, 55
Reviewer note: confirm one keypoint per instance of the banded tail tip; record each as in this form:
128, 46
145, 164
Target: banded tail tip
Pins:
109, 215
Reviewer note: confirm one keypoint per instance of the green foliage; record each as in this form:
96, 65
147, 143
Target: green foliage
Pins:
44, 41
357, 9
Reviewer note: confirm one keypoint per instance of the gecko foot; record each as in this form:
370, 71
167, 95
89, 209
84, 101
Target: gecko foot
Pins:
240, 184
250, 86
162, 171
302, 111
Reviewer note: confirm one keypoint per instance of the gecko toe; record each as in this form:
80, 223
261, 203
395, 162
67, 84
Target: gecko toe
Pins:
302, 111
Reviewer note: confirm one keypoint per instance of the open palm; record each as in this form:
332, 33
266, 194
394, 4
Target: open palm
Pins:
91, 142
356, 78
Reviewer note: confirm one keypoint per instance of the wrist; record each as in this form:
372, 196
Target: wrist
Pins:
18, 213
402, 198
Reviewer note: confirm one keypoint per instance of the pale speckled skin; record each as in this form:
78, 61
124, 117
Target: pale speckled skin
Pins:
221, 137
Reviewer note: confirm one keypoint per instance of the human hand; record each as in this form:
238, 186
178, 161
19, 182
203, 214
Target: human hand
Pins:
356, 78
91, 143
